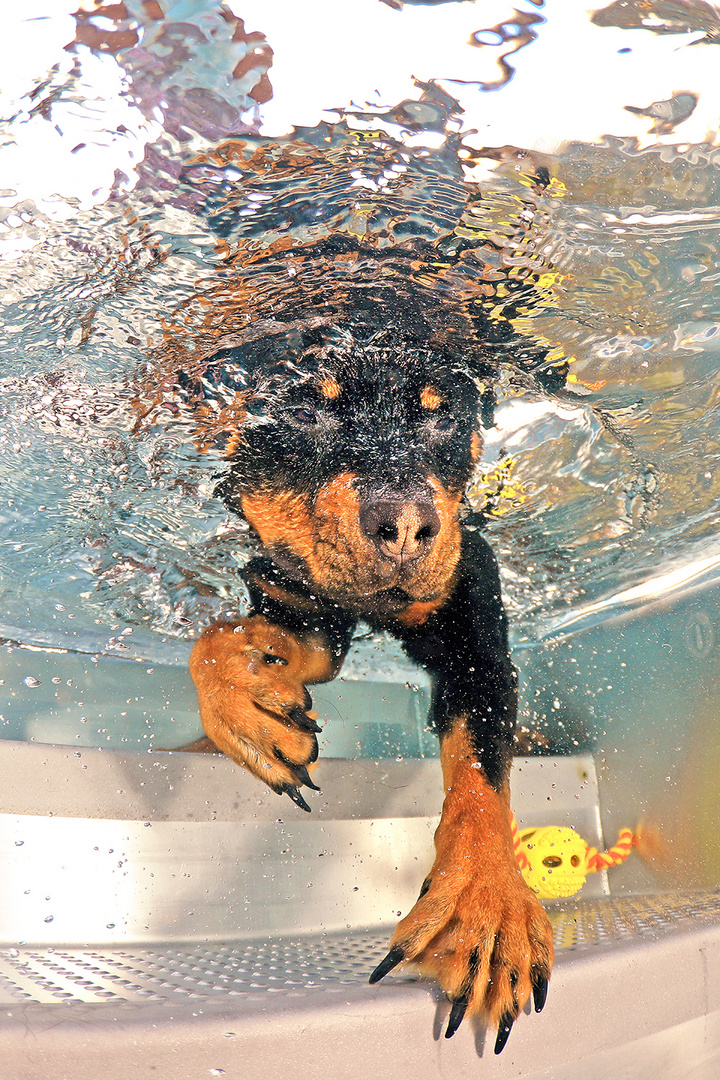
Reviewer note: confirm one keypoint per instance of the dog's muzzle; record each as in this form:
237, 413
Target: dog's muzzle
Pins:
402, 530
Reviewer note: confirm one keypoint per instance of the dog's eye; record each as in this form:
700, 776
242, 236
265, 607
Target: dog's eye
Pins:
304, 414
444, 423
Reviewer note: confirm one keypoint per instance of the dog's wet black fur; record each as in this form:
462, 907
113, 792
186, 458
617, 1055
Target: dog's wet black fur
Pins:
357, 408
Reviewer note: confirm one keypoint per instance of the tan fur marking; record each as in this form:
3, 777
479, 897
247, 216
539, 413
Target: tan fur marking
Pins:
295, 601
250, 677
476, 901
340, 559
417, 613
476, 447
430, 398
446, 551
281, 518
338, 500
330, 387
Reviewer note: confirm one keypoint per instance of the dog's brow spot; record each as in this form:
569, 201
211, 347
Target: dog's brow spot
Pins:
330, 387
430, 398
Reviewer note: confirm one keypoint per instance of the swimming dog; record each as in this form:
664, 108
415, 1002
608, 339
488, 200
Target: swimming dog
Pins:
350, 461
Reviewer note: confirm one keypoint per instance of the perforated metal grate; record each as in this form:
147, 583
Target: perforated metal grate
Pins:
239, 970
310, 964
592, 924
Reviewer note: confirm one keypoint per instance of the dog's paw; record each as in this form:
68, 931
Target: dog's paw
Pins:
485, 938
253, 704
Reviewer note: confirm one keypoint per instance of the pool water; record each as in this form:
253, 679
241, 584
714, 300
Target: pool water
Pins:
528, 182
455, 168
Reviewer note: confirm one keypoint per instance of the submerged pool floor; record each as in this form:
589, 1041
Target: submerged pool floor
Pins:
645, 970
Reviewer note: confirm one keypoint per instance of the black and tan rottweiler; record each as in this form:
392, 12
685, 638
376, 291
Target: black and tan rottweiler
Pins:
350, 457
350, 463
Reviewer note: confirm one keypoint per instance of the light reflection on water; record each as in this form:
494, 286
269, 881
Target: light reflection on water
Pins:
385, 205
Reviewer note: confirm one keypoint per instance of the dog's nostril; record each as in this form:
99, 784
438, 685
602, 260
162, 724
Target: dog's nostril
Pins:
387, 533
425, 533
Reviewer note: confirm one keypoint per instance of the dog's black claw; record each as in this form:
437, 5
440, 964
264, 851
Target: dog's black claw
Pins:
504, 1029
304, 776
456, 1016
299, 717
424, 887
392, 959
540, 989
297, 798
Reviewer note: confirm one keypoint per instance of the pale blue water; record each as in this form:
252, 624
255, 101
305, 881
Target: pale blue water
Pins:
112, 542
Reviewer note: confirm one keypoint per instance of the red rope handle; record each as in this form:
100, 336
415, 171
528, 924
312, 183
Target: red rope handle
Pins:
618, 853
522, 859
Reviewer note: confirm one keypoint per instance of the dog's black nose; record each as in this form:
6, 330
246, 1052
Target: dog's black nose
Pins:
402, 530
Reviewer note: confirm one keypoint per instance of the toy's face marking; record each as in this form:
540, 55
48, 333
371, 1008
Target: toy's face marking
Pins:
556, 861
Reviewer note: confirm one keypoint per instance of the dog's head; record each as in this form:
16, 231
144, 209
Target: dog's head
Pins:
351, 464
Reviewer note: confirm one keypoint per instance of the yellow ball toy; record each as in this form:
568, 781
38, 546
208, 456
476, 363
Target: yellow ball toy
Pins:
555, 861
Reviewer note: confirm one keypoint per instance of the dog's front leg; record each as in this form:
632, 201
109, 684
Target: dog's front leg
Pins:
251, 679
476, 926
